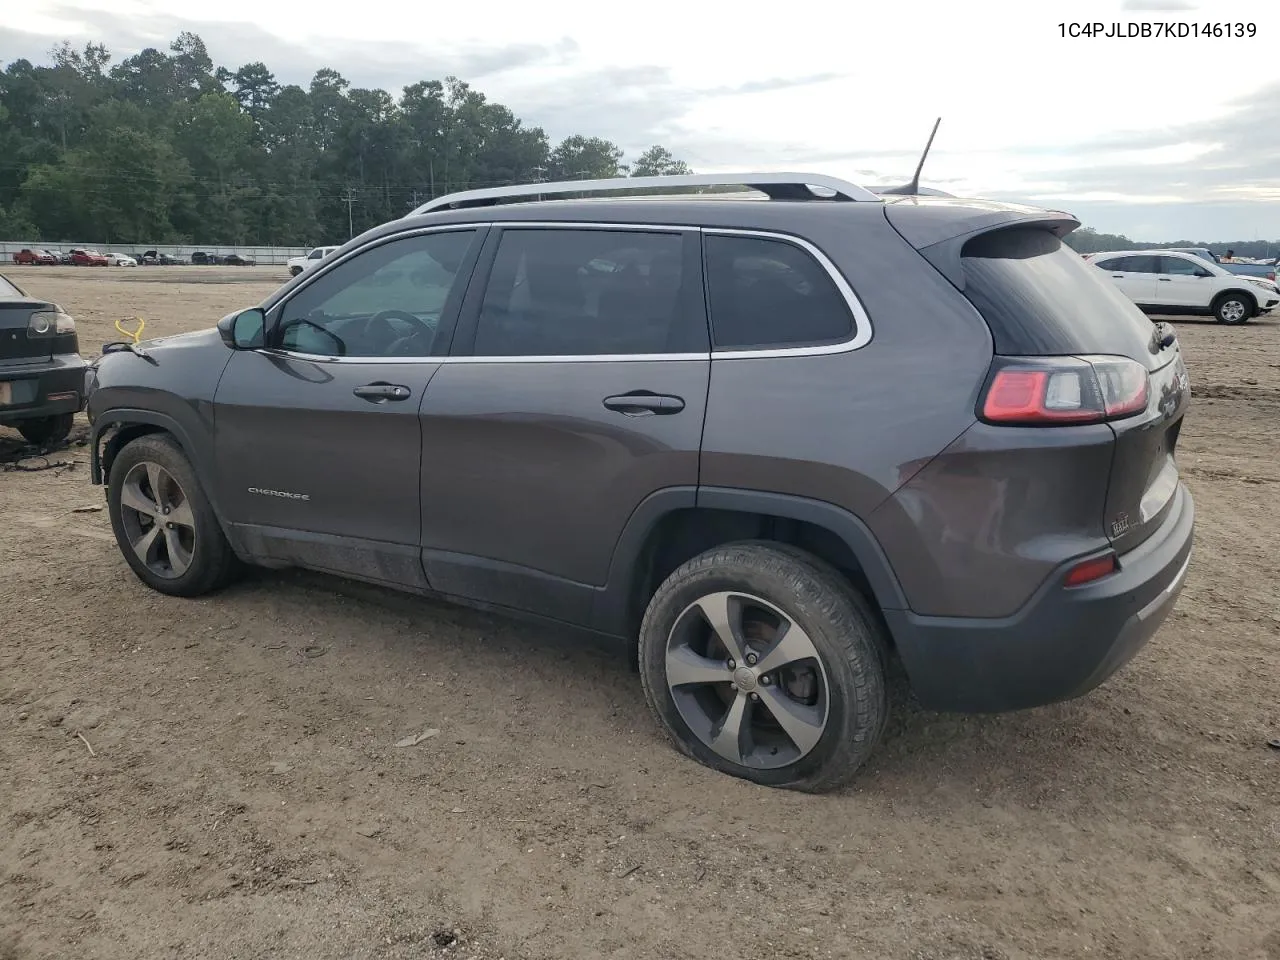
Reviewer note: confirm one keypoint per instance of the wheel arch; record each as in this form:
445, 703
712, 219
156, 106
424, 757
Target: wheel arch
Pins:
1232, 291
113, 429
676, 524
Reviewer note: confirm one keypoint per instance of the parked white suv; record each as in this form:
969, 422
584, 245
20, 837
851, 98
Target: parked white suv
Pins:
298, 264
1169, 282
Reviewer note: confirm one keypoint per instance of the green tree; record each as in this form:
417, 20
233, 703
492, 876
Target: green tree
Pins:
657, 161
585, 158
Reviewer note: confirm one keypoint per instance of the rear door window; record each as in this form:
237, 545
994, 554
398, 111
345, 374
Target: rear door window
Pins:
1141, 264
1040, 299
1178, 267
766, 293
558, 292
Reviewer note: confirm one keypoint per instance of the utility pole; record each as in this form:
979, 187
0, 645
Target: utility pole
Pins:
350, 201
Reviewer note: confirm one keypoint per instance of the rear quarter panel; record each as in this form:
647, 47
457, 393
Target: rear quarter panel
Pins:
851, 428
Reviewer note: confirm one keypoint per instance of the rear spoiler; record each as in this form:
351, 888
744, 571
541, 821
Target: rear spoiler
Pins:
939, 230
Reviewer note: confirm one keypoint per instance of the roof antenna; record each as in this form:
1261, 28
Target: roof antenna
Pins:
913, 188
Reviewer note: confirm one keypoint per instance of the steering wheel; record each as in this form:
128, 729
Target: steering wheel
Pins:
396, 346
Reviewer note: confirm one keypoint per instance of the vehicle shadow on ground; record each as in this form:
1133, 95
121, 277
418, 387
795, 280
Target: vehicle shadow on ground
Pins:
1039, 749
17, 454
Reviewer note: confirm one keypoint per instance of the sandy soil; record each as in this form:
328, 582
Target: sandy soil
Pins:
218, 778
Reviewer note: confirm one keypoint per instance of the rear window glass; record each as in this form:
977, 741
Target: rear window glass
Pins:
1040, 299
771, 293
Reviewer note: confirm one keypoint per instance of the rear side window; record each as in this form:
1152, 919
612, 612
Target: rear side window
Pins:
1143, 264
1178, 267
767, 293
557, 292
1040, 299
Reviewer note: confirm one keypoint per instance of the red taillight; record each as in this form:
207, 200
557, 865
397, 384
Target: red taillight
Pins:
1091, 570
1065, 390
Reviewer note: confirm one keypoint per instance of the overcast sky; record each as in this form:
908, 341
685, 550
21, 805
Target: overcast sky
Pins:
1159, 139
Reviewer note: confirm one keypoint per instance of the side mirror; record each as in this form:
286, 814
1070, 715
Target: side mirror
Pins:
1203, 273
243, 330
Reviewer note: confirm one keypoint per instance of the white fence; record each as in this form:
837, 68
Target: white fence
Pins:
182, 252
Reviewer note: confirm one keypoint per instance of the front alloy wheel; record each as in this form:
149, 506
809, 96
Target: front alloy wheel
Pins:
157, 520
164, 524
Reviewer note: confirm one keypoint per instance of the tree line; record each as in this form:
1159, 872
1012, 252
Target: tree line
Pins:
167, 147
1086, 240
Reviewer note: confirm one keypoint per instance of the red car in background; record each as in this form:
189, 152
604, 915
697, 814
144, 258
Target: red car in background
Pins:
88, 258
41, 258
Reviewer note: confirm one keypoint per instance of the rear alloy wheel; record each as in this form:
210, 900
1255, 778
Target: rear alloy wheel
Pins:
764, 663
164, 525
1233, 309
43, 431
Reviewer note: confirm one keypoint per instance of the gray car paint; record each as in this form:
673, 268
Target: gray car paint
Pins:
528, 490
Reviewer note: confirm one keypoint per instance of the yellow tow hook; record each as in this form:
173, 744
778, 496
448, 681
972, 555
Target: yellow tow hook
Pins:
134, 335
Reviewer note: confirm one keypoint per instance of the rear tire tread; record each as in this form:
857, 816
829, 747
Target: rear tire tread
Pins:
826, 601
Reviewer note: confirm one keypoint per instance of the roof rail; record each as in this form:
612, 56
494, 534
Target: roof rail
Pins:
777, 186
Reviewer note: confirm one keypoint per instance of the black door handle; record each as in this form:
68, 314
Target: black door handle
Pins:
1166, 279
382, 392
642, 403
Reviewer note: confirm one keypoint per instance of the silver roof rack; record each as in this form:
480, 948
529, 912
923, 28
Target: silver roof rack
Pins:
776, 186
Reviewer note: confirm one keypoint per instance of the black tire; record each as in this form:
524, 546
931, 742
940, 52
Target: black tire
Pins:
213, 564
43, 431
1234, 309
294, 271
843, 629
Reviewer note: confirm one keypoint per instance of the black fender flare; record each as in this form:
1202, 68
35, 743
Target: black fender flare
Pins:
129, 415
611, 607
111, 418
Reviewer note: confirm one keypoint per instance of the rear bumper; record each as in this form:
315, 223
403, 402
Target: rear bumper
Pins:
1062, 644
43, 389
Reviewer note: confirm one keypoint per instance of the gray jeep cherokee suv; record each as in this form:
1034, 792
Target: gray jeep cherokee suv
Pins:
770, 441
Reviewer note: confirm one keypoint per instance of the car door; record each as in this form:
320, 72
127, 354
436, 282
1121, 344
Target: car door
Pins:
1183, 283
316, 432
577, 390
1134, 275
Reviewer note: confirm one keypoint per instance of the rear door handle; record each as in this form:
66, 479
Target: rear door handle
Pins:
382, 392
642, 403
1166, 279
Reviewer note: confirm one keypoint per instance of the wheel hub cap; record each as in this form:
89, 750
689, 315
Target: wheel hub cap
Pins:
744, 678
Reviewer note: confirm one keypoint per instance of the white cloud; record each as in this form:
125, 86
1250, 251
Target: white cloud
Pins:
838, 89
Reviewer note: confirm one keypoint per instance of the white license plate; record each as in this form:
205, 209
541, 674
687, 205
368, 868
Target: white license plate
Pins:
6, 392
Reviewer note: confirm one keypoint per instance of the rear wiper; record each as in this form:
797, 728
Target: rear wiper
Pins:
118, 345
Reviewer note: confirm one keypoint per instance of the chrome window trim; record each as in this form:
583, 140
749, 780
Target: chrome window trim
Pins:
861, 321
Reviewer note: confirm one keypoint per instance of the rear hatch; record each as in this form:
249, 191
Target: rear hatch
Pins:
1041, 300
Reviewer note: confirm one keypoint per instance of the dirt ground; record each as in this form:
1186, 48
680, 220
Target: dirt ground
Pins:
219, 778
